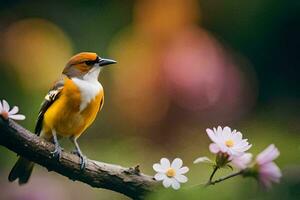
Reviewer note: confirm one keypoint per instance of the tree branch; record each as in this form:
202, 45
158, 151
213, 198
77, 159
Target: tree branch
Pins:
128, 181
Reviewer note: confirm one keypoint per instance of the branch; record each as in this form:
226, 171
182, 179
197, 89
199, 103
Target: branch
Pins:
212, 175
225, 178
128, 181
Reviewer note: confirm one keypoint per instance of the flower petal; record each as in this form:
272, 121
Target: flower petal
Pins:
224, 148
175, 185
165, 163
269, 173
181, 178
267, 155
214, 148
244, 148
211, 135
5, 105
1, 108
241, 162
183, 170
271, 170
203, 159
238, 136
157, 167
177, 163
160, 176
167, 182
17, 117
226, 132
14, 110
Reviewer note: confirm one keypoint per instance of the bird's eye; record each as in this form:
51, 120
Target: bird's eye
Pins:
89, 62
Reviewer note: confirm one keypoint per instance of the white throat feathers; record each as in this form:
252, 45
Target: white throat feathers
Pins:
89, 86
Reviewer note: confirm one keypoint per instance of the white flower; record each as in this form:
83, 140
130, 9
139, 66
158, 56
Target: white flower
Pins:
241, 162
5, 113
203, 159
170, 174
268, 171
227, 141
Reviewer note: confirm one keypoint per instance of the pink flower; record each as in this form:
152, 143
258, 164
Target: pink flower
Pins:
227, 141
5, 113
268, 171
241, 162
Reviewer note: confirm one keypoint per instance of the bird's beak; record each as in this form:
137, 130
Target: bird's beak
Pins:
104, 61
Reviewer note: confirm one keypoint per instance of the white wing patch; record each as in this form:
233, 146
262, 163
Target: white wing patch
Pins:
89, 88
52, 94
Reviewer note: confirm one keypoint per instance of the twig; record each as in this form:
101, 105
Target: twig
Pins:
225, 178
212, 175
128, 181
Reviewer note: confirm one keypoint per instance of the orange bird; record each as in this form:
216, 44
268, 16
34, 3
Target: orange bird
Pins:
69, 108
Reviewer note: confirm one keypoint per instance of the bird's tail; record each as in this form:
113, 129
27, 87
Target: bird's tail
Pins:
21, 170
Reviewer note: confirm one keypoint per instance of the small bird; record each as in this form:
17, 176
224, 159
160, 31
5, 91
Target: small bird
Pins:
69, 108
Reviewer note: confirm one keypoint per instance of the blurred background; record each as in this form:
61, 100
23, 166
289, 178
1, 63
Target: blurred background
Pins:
183, 66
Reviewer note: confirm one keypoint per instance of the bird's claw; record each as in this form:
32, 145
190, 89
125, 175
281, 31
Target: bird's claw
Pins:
57, 152
82, 158
82, 162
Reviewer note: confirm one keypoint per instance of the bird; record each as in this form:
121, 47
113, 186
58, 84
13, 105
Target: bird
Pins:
69, 108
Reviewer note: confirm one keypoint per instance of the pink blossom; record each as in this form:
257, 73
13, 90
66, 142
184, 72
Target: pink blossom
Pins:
227, 141
241, 162
6, 113
268, 171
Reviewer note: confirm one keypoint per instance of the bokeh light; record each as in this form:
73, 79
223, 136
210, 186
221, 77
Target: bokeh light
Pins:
168, 63
37, 49
205, 77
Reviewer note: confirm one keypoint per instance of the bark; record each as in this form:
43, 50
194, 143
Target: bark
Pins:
128, 181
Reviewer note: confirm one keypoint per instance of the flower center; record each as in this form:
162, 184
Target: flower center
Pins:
170, 172
4, 114
229, 143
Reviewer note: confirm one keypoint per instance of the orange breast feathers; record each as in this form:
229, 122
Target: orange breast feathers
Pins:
65, 115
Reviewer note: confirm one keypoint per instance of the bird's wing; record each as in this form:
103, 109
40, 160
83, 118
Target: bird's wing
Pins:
50, 98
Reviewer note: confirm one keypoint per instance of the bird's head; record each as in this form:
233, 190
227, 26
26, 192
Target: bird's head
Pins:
85, 65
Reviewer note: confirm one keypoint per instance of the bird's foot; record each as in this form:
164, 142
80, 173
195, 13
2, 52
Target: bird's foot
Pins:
57, 152
83, 159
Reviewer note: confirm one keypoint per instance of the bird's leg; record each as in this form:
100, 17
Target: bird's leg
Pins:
57, 151
78, 152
